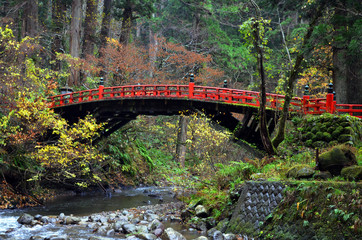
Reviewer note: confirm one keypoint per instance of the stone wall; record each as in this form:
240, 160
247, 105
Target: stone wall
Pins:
257, 200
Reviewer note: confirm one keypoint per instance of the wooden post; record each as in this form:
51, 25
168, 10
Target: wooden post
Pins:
305, 103
100, 92
329, 100
191, 86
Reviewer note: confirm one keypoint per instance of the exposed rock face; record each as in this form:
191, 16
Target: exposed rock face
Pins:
337, 158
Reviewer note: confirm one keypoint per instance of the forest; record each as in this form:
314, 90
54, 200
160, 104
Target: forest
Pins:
275, 46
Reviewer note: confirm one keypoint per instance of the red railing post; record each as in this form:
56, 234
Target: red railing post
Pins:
305, 103
100, 91
191, 86
329, 99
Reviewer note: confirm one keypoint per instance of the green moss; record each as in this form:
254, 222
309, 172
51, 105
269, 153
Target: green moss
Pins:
309, 142
315, 129
345, 138
307, 136
316, 210
327, 137
353, 173
318, 144
337, 132
319, 136
348, 130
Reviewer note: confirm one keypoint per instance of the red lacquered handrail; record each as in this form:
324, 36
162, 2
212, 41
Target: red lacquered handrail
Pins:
235, 96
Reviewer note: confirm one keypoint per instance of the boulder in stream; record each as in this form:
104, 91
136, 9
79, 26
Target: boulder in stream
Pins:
171, 234
25, 219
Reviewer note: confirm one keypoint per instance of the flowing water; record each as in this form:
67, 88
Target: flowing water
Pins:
81, 205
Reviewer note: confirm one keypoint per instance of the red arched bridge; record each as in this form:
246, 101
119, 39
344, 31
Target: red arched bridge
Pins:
232, 108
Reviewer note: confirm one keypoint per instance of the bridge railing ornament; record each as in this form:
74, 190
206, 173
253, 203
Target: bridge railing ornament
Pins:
304, 105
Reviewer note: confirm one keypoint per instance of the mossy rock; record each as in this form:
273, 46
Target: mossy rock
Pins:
345, 138
331, 129
327, 137
309, 143
348, 130
307, 136
337, 158
353, 173
345, 124
315, 130
338, 131
300, 171
319, 135
322, 175
333, 143
319, 144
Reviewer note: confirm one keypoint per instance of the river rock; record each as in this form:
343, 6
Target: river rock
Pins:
99, 238
133, 237
129, 228
146, 236
218, 235
201, 211
61, 217
150, 216
117, 226
135, 220
210, 232
71, 220
155, 224
64, 237
142, 229
201, 238
102, 230
25, 219
36, 238
110, 232
229, 236
158, 232
171, 234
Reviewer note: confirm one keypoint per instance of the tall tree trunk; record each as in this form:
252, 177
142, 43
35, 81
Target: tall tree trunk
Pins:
106, 23
58, 18
279, 137
30, 19
75, 39
126, 24
90, 25
153, 49
264, 132
346, 68
181, 141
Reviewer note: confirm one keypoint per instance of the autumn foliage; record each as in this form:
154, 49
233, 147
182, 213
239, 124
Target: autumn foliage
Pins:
162, 63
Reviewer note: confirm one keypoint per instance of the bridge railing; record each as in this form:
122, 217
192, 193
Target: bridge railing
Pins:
234, 96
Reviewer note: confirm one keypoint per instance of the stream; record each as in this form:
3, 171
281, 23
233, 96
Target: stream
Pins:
81, 206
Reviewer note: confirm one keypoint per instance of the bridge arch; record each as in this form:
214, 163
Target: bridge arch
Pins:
239, 119
121, 104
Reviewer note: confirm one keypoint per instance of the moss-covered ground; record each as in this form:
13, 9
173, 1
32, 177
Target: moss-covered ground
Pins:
317, 210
